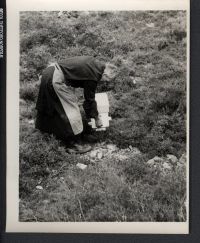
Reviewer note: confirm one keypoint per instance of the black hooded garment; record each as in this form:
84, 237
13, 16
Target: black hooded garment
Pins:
84, 72
82, 68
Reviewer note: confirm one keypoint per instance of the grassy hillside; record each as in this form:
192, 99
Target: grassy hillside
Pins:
148, 108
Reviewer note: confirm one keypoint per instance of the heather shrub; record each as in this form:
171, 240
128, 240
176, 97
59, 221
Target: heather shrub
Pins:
147, 105
29, 91
89, 39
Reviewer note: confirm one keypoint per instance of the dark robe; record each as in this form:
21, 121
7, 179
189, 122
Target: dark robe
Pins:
84, 72
82, 68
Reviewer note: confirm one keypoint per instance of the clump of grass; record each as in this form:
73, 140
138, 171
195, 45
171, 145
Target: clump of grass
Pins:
29, 91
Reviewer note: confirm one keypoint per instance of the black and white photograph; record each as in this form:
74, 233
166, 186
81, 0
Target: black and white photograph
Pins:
103, 116
97, 121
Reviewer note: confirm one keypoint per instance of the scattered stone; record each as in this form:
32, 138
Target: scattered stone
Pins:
48, 170
81, 166
111, 147
60, 14
92, 161
93, 153
166, 166
130, 147
39, 187
100, 155
182, 159
46, 201
135, 151
155, 160
172, 158
22, 102
151, 162
121, 157
54, 172
31, 122
180, 166
62, 178
40, 181
136, 80
84, 13
22, 162
158, 159
150, 25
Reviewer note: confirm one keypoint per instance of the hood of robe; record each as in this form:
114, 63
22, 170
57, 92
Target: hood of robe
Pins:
82, 68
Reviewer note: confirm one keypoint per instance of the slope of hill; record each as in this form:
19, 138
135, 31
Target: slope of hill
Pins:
148, 108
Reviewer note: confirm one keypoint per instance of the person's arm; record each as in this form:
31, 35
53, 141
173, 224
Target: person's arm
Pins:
90, 105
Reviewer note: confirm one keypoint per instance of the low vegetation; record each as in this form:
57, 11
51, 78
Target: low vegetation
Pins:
148, 110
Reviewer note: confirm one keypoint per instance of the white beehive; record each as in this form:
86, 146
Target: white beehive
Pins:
103, 109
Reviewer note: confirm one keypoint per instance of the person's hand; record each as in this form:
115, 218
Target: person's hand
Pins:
98, 122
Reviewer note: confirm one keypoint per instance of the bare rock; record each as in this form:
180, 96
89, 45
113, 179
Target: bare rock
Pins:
158, 159
22, 102
31, 122
182, 159
54, 172
172, 159
81, 166
135, 151
130, 147
111, 147
136, 80
39, 187
155, 160
93, 153
167, 166
150, 25
99, 155
121, 157
60, 14
151, 162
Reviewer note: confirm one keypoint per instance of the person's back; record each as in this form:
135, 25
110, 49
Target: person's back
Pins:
82, 68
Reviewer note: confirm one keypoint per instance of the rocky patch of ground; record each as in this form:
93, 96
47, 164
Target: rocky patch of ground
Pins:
103, 151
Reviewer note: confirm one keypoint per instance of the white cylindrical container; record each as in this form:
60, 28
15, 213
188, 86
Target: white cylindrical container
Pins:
103, 109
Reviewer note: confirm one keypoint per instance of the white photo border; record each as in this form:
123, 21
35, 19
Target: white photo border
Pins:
12, 217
